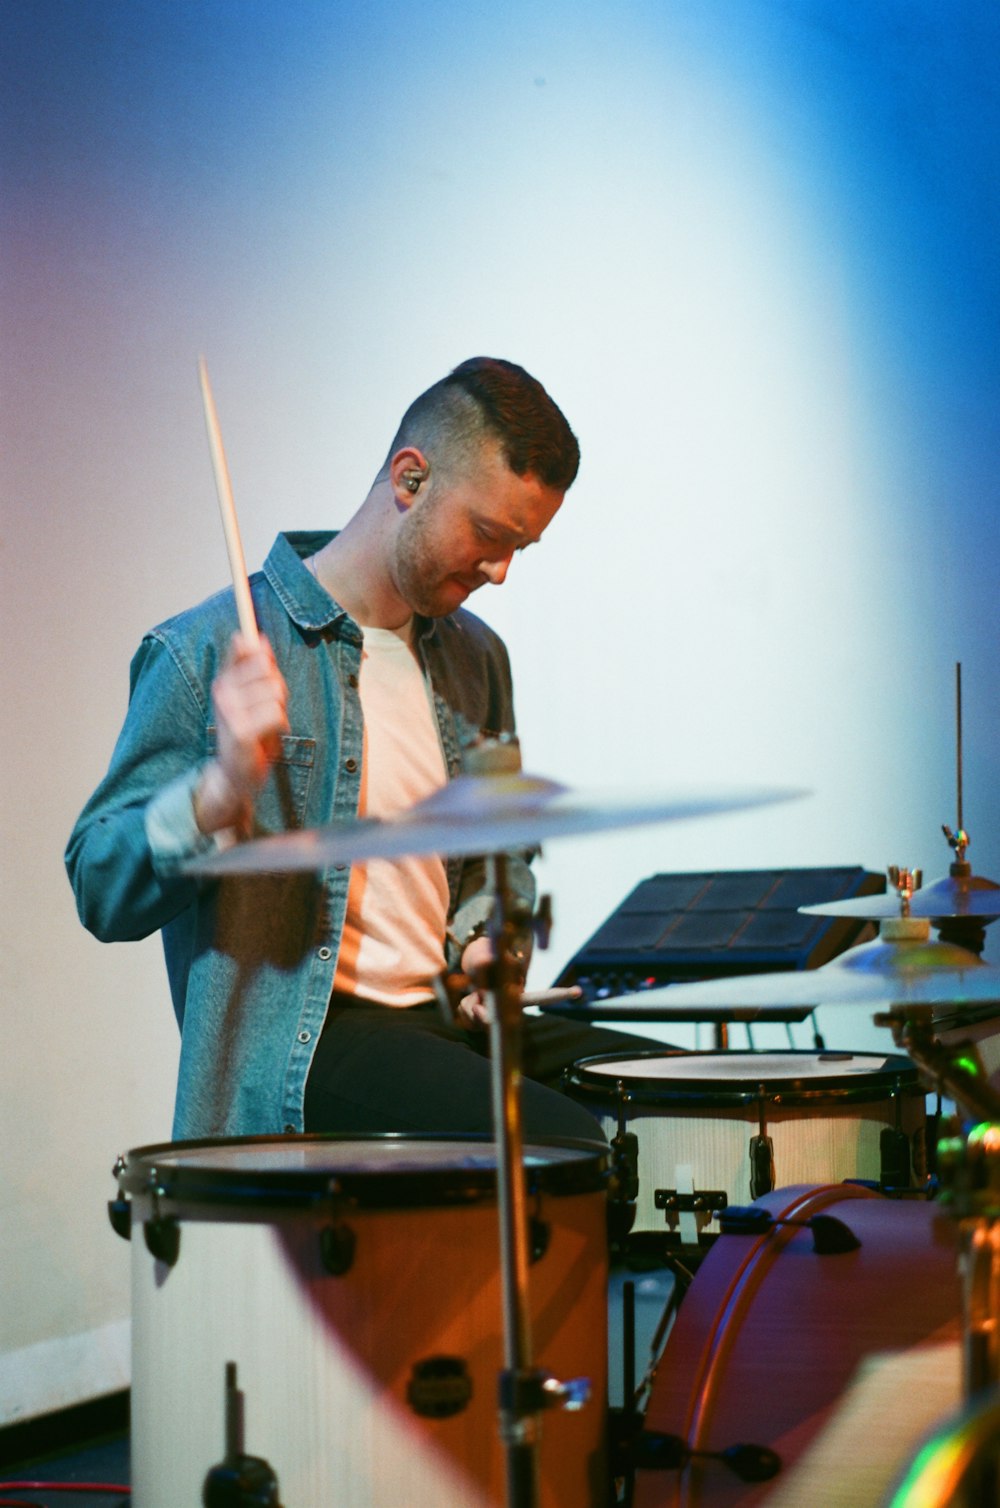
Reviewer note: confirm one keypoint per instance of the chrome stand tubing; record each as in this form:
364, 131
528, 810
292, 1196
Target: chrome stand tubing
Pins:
969, 1167
980, 1267
519, 1424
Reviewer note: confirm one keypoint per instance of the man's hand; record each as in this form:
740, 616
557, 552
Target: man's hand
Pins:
473, 1011
249, 698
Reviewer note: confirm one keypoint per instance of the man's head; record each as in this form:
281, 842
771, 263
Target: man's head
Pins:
478, 469
485, 399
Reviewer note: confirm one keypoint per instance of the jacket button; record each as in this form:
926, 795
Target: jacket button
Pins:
324, 953
289, 1130
350, 765
305, 1037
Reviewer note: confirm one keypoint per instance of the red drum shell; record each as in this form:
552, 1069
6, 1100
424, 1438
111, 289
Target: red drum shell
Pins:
770, 1333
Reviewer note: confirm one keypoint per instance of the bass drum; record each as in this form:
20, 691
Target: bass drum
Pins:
725, 1127
771, 1333
355, 1284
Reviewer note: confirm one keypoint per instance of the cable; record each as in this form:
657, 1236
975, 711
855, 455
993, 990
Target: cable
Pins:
58, 1487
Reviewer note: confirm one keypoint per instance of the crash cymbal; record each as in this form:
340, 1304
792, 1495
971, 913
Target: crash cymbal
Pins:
475, 814
952, 896
908, 971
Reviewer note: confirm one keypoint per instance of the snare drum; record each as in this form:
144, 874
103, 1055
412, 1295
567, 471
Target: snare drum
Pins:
355, 1283
718, 1128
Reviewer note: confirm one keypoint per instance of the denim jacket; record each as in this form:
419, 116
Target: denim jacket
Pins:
251, 959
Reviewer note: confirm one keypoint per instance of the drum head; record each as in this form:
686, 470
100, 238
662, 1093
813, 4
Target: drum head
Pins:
685, 1079
373, 1170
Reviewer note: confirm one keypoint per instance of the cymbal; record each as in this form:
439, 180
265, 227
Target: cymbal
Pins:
475, 814
948, 897
879, 973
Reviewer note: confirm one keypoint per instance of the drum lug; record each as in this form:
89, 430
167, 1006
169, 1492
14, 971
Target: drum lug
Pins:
120, 1215
623, 1190
337, 1245
120, 1208
894, 1155
162, 1232
625, 1150
761, 1165
625, 1167
762, 1178
895, 1168
163, 1239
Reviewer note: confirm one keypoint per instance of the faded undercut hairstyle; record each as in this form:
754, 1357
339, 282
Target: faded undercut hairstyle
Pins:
488, 399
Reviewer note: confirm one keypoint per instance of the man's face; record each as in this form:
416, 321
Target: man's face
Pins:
461, 533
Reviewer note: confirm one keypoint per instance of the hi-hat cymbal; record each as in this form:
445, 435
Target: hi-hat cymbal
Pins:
475, 814
949, 897
880, 973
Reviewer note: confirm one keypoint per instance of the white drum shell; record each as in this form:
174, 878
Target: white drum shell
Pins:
705, 1148
324, 1362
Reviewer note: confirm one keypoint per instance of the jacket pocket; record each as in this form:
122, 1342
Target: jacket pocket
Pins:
281, 803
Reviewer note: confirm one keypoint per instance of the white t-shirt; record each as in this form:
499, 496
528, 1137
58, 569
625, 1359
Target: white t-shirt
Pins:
397, 909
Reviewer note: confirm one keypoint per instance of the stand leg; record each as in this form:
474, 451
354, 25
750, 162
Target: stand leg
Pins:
519, 1427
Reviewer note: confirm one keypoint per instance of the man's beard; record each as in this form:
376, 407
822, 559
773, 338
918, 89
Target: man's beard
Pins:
418, 573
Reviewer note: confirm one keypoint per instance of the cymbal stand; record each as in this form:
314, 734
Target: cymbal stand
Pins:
523, 1390
967, 931
954, 1067
969, 1169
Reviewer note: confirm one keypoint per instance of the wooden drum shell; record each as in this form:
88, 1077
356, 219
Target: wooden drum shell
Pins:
325, 1362
694, 1115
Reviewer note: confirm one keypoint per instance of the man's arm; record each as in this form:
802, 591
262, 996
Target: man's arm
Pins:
469, 949
250, 700
167, 796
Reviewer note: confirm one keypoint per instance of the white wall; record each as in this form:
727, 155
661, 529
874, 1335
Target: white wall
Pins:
750, 248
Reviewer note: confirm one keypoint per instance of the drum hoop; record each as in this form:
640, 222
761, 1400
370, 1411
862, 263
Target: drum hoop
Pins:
146, 1174
899, 1076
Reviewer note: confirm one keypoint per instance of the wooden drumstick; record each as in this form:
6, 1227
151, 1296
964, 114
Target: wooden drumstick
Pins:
551, 997
230, 523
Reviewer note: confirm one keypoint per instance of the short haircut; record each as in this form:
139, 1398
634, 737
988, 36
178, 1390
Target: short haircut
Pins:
488, 399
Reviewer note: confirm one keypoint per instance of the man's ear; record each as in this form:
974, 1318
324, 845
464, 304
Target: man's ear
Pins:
408, 471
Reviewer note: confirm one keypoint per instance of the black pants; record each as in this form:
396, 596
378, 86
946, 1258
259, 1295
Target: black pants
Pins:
378, 1068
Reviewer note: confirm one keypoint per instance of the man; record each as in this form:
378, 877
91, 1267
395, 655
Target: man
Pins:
304, 1001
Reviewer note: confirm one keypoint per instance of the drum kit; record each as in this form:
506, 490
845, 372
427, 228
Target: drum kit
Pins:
421, 1322
376, 1287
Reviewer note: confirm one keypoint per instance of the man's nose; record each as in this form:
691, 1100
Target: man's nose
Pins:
495, 571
